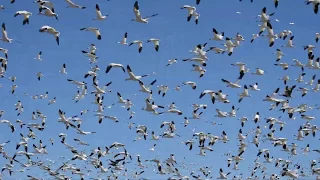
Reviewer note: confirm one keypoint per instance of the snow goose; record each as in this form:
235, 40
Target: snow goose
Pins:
73, 5
39, 75
124, 39
316, 87
136, 10
216, 50
132, 76
39, 56
102, 90
230, 46
44, 3
91, 55
115, 65
48, 12
271, 34
193, 85
285, 66
310, 62
258, 72
25, 15
303, 90
191, 10
254, 87
5, 37
139, 43
217, 36
231, 84
310, 83
172, 61
52, 31
2, 7
99, 15
146, 89
221, 114
93, 29
254, 36
151, 107
300, 78
80, 84
5, 51
279, 54
264, 16
155, 42
317, 64
63, 69
163, 89
298, 63
90, 73
197, 59
223, 175
317, 37
244, 94
315, 4
309, 48
210, 92
290, 43
196, 17
198, 69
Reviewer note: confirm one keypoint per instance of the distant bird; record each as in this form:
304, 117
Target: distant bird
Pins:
139, 43
63, 69
39, 56
124, 39
191, 10
73, 5
93, 29
155, 42
99, 14
52, 31
217, 36
43, 10
139, 18
5, 37
25, 15
113, 65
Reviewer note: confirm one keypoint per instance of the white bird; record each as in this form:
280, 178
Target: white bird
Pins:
139, 43
73, 5
155, 42
63, 69
124, 39
199, 69
5, 37
217, 36
25, 15
172, 61
191, 10
48, 12
230, 46
139, 18
93, 29
132, 76
99, 14
5, 51
39, 56
231, 84
290, 43
50, 30
115, 65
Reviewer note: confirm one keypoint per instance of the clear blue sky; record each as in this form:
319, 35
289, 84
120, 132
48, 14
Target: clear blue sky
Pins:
177, 37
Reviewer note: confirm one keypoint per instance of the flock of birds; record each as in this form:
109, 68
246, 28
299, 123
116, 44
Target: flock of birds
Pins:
114, 161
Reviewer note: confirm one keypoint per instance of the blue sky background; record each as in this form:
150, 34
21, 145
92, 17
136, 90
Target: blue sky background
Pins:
177, 37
